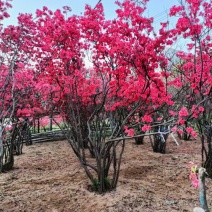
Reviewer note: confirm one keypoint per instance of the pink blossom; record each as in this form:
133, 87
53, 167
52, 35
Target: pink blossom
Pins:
8, 128
174, 129
6, 15
194, 134
20, 65
183, 112
172, 113
181, 121
201, 109
146, 128
180, 132
195, 183
147, 118
189, 129
193, 108
175, 10
39, 13
130, 132
195, 115
192, 176
125, 127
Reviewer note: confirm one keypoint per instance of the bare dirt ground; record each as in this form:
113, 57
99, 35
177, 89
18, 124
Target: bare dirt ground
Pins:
48, 177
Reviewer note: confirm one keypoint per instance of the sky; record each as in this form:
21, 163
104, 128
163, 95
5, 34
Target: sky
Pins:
156, 8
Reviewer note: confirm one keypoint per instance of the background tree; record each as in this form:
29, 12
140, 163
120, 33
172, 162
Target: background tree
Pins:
99, 103
16, 80
195, 76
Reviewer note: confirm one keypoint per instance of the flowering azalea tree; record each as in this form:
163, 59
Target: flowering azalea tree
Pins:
193, 75
16, 81
6, 91
100, 103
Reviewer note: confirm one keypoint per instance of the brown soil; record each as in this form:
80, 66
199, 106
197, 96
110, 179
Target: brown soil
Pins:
48, 177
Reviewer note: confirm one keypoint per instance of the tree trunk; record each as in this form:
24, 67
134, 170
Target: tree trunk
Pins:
139, 140
1, 149
202, 189
208, 161
50, 124
38, 125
